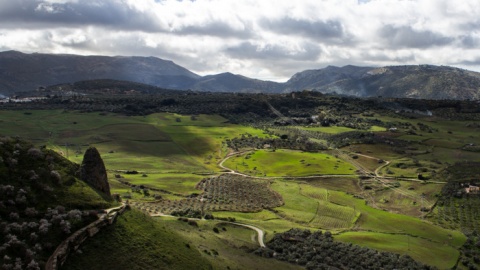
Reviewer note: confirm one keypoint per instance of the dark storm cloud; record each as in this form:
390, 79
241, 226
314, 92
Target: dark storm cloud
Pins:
37, 14
469, 41
247, 50
110, 14
471, 26
320, 30
407, 37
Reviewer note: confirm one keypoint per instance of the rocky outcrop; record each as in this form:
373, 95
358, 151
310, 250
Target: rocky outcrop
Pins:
93, 171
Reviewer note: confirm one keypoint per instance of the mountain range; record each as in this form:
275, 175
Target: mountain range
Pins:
26, 72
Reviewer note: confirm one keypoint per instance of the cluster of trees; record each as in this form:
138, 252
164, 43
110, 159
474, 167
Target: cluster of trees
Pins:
104, 87
359, 137
318, 250
30, 236
457, 209
470, 251
226, 192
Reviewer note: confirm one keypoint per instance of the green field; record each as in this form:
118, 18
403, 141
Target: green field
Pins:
401, 203
329, 215
347, 184
284, 162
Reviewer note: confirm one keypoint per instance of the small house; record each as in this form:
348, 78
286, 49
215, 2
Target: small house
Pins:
472, 189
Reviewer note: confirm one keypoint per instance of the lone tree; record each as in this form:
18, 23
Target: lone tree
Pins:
93, 171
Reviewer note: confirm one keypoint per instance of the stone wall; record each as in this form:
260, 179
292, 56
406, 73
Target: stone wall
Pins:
73, 242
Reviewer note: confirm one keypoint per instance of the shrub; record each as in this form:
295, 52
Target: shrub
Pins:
56, 177
35, 153
193, 223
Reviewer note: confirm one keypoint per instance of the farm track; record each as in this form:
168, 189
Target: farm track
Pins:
260, 232
381, 180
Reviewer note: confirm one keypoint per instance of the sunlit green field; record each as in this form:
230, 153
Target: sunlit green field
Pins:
284, 162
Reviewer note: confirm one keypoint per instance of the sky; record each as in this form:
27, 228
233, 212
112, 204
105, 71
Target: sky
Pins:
264, 39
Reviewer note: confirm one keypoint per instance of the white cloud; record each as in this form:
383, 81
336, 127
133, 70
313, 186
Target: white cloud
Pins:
263, 39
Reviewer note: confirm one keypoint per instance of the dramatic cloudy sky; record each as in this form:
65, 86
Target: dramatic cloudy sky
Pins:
266, 39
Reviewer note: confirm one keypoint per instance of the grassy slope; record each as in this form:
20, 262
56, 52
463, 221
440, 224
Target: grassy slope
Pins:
234, 245
136, 241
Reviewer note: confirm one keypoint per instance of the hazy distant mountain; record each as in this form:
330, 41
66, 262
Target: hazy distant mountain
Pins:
26, 72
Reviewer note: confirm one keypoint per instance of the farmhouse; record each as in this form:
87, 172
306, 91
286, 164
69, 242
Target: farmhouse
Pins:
472, 189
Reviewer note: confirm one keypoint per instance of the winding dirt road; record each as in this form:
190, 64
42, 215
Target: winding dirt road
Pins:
260, 233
